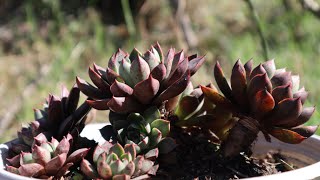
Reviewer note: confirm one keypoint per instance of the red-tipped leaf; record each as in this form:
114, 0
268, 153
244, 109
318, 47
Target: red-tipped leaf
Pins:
287, 136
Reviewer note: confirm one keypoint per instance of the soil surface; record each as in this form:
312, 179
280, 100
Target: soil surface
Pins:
196, 158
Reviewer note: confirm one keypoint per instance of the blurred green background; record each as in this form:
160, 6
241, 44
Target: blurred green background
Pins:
46, 43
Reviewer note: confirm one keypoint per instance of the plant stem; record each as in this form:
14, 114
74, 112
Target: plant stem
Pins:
128, 17
258, 25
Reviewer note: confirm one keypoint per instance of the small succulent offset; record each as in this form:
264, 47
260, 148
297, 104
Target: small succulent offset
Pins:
58, 117
47, 159
112, 161
262, 99
147, 129
132, 82
200, 117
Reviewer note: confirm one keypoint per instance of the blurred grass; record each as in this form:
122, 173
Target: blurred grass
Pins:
69, 43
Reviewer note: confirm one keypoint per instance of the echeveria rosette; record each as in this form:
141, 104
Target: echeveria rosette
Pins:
47, 159
113, 161
148, 130
60, 116
262, 99
132, 82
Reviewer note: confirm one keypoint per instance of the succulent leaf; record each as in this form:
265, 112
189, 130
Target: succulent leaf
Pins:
99, 104
159, 72
280, 79
222, 81
287, 136
139, 70
88, 89
239, 83
119, 89
162, 125
195, 64
31, 170
146, 90
258, 70
88, 169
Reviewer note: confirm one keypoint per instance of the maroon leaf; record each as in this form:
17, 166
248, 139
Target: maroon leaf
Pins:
177, 60
262, 102
248, 67
98, 81
112, 76
63, 146
55, 111
39, 139
89, 90
286, 110
41, 155
302, 94
303, 117
222, 82
257, 70
258, 83
77, 155
178, 73
145, 90
174, 90
195, 64
280, 79
62, 171
124, 104
159, 72
216, 98
88, 169
31, 170
305, 131
101, 71
53, 166
99, 104
72, 100
119, 89
287, 136
239, 84
282, 92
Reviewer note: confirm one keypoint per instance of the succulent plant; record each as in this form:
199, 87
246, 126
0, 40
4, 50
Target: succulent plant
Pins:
147, 129
112, 161
132, 82
58, 117
200, 117
262, 99
47, 159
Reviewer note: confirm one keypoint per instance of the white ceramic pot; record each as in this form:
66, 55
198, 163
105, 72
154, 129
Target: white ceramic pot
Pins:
305, 154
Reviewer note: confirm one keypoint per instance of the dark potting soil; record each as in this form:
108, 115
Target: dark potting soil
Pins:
196, 158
